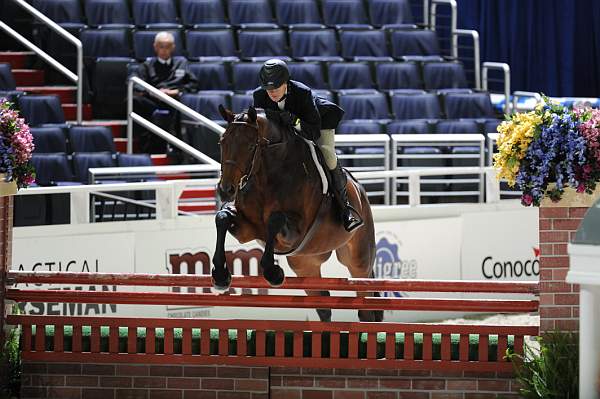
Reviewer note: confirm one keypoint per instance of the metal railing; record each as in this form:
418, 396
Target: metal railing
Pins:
504, 189
402, 141
505, 68
77, 78
521, 94
474, 35
132, 116
433, 17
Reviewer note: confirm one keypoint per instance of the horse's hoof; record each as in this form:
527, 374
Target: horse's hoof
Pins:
274, 275
221, 279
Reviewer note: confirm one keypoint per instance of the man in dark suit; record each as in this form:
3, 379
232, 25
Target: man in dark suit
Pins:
314, 118
170, 75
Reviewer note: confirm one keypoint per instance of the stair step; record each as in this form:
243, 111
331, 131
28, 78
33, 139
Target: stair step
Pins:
16, 59
160, 159
118, 127
120, 145
29, 77
70, 111
66, 94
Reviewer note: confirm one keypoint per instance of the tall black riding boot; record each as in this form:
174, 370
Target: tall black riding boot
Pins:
350, 220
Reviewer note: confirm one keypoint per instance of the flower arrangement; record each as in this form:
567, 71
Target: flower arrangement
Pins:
551, 144
16, 146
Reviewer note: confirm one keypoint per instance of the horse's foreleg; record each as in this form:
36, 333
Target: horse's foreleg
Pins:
273, 273
220, 274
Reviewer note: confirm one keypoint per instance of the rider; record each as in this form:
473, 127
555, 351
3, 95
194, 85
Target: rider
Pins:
314, 118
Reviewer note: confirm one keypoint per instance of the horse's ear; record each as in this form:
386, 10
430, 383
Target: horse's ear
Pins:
252, 114
226, 114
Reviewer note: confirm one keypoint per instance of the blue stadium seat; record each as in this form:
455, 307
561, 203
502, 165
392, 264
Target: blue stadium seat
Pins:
51, 169
11, 95
398, 75
38, 110
49, 139
150, 12
350, 75
106, 42
414, 42
83, 161
241, 102
391, 13
359, 126
473, 105
91, 139
457, 127
245, 75
107, 12
134, 160
296, 12
326, 94
364, 104
61, 11
491, 126
211, 45
410, 126
344, 13
358, 44
109, 84
143, 43
309, 73
207, 102
7, 80
197, 12
444, 75
314, 44
257, 45
415, 106
248, 12
211, 75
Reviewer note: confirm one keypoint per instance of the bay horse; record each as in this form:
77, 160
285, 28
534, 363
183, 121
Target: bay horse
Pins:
273, 193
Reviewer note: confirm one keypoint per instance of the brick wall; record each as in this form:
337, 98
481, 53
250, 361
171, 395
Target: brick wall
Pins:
296, 383
120, 381
559, 301
133, 381
6, 223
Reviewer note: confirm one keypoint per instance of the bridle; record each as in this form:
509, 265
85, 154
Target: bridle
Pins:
260, 143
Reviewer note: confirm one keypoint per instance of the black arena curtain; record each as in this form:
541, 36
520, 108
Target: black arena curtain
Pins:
552, 46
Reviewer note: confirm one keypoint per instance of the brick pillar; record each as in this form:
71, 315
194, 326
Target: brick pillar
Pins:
6, 224
559, 300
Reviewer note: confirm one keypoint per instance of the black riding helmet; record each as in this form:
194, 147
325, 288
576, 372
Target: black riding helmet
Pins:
273, 74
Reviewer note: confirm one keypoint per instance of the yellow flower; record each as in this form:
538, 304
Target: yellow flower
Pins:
515, 137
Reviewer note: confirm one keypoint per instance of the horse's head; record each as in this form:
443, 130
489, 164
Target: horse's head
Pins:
238, 148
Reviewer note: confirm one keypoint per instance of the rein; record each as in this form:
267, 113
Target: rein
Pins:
261, 142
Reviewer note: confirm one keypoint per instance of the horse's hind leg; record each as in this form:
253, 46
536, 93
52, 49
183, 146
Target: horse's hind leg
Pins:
273, 273
358, 256
310, 266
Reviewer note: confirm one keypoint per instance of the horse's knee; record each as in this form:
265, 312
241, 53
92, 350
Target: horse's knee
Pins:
223, 219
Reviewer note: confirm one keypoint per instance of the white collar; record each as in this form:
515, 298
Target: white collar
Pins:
164, 62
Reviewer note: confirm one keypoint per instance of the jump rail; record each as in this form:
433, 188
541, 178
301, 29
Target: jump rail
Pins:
274, 343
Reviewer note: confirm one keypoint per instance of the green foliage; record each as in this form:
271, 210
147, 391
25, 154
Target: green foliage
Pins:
10, 365
553, 371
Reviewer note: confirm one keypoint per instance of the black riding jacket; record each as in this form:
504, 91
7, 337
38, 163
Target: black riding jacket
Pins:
299, 102
176, 75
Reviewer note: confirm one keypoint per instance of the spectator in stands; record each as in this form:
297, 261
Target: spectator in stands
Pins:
292, 103
172, 76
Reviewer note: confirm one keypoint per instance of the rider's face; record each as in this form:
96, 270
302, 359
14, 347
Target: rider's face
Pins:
278, 93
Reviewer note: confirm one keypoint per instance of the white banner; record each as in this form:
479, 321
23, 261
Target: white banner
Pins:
435, 247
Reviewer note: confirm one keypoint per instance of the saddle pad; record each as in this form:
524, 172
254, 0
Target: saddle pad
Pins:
313, 153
